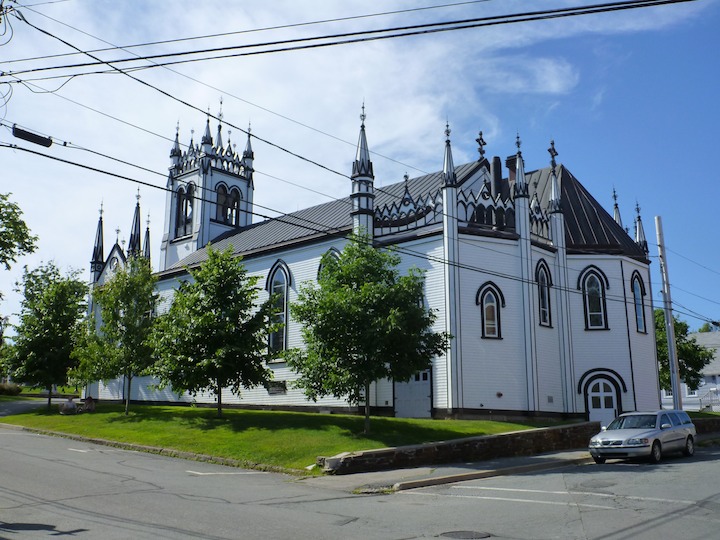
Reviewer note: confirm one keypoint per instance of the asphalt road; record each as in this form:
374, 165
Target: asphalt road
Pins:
58, 487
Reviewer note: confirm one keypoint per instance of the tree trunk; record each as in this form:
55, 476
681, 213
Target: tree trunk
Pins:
127, 396
49, 389
367, 408
219, 396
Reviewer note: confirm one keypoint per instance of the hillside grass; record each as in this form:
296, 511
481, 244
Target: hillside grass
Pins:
287, 440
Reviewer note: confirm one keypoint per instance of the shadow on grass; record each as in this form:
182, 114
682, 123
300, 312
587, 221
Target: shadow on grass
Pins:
384, 431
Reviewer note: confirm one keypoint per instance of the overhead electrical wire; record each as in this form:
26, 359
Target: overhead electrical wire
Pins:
347, 37
235, 33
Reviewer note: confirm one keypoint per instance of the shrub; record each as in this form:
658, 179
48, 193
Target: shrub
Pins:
9, 389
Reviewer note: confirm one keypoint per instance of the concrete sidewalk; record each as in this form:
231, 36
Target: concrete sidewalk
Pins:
400, 479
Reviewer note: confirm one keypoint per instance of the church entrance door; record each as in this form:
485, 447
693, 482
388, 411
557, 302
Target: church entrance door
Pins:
602, 402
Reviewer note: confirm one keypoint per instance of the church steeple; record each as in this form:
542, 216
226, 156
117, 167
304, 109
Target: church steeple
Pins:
176, 153
521, 187
134, 248
248, 157
640, 239
616, 209
363, 190
98, 256
554, 205
448, 166
146, 243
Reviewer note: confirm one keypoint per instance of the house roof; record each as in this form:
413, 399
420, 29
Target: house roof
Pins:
589, 228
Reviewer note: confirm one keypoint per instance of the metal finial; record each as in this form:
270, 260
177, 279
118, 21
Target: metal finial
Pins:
148, 220
101, 208
363, 116
177, 128
637, 208
518, 142
137, 197
406, 178
192, 133
249, 128
614, 196
229, 133
553, 154
447, 131
117, 234
220, 113
122, 243
481, 145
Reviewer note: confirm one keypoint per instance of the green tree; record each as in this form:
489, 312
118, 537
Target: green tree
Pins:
214, 336
706, 327
692, 357
120, 347
15, 237
50, 313
363, 322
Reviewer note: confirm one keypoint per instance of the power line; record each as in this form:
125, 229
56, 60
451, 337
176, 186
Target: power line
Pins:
226, 34
350, 37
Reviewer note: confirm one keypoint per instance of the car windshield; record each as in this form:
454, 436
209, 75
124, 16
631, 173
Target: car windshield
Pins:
636, 421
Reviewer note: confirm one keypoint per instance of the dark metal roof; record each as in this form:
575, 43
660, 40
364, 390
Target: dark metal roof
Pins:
589, 228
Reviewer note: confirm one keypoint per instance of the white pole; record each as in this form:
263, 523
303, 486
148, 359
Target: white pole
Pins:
669, 321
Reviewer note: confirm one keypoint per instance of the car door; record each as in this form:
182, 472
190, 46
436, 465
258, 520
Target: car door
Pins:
670, 437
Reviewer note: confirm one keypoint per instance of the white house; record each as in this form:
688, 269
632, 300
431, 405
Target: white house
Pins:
707, 394
547, 296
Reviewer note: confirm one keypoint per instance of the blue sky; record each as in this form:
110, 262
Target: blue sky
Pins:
629, 98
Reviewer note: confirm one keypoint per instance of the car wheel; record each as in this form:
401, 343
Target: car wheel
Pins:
689, 449
655, 453
598, 460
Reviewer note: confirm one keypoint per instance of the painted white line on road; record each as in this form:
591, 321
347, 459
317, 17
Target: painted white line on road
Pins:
508, 499
79, 450
588, 493
224, 473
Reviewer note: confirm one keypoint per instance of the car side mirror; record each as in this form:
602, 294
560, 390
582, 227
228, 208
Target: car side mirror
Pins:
665, 426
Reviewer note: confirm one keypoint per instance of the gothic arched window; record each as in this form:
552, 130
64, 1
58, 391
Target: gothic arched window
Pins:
638, 290
542, 276
490, 299
594, 300
278, 286
183, 211
222, 203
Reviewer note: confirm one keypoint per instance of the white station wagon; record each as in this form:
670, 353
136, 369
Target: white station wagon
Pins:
644, 434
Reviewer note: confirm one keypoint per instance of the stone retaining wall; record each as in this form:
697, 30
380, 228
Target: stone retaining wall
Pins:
517, 443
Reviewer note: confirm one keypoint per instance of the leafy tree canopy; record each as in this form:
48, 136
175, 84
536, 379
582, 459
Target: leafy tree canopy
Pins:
121, 346
692, 357
363, 322
15, 237
51, 311
214, 336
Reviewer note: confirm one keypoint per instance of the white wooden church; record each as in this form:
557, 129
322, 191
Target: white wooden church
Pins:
546, 294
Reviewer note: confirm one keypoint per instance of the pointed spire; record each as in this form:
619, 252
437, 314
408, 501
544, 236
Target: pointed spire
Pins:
448, 165
146, 243
175, 152
362, 165
554, 202
616, 209
218, 141
134, 243
248, 153
206, 140
640, 239
521, 188
98, 256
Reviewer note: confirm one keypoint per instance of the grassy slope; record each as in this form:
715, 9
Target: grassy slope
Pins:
283, 439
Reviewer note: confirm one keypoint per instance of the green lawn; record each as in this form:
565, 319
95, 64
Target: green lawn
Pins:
257, 438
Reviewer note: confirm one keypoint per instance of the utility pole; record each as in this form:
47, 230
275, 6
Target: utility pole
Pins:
669, 321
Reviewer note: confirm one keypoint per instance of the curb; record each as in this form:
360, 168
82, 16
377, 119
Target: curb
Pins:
519, 469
